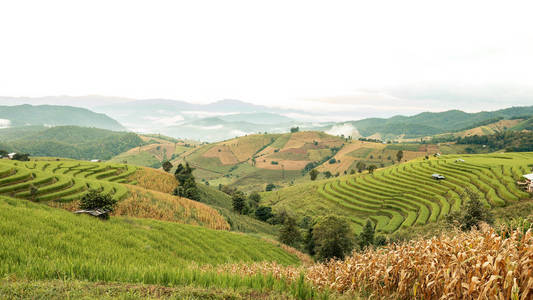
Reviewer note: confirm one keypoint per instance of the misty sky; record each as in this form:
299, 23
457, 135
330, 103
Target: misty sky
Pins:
394, 56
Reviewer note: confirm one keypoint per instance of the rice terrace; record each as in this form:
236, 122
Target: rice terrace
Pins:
266, 150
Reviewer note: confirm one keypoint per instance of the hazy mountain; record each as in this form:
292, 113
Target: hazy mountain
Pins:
52, 115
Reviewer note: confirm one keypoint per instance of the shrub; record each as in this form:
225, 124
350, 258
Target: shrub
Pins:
289, 234
314, 174
270, 187
167, 166
472, 213
95, 199
263, 213
238, 201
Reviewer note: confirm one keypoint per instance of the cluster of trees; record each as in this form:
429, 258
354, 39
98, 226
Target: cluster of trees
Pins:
513, 141
187, 184
76, 143
327, 237
17, 156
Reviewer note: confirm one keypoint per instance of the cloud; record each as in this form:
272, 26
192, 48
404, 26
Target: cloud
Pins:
344, 129
166, 121
4, 123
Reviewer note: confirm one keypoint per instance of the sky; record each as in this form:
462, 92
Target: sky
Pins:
380, 57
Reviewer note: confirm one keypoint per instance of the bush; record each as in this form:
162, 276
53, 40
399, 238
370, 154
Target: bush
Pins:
263, 213
472, 213
167, 166
238, 201
289, 234
97, 200
314, 174
270, 187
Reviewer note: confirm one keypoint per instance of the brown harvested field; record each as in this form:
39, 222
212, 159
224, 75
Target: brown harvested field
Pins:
223, 153
490, 128
158, 150
142, 203
265, 163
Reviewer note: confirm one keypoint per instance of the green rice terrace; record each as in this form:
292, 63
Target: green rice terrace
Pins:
406, 195
63, 180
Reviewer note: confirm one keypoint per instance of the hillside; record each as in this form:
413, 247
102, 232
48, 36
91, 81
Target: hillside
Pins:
61, 183
53, 115
157, 180
405, 195
69, 141
127, 250
252, 161
429, 123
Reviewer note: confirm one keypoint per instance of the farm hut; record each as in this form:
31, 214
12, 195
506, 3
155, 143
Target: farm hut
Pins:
437, 177
459, 160
11, 155
528, 183
98, 213
96, 160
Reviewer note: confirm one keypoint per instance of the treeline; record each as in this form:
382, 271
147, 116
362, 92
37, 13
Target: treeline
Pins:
76, 143
511, 141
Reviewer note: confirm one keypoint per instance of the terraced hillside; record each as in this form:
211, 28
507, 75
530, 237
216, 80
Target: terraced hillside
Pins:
63, 180
62, 183
405, 195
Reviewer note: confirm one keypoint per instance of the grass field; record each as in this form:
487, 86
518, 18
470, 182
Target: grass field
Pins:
41, 243
405, 195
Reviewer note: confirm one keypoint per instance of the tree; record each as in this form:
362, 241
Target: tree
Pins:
328, 174
263, 213
313, 174
270, 187
289, 234
167, 166
472, 212
309, 242
21, 156
360, 166
295, 129
332, 237
399, 156
371, 168
95, 199
187, 185
332, 161
239, 201
366, 238
254, 198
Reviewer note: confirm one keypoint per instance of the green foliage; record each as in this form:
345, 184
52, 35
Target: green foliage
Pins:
327, 174
366, 238
239, 201
314, 174
167, 166
76, 143
371, 168
511, 141
263, 213
399, 155
332, 237
295, 129
289, 233
21, 157
187, 185
269, 187
97, 200
472, 213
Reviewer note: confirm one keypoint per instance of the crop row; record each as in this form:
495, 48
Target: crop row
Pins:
407, 195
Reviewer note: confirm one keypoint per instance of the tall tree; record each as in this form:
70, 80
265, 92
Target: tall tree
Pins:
366, 238
333, 238
399, 156
238, 201
289, 234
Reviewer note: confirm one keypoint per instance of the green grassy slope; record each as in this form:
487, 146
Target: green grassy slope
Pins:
223, 203
405, 195
40, 242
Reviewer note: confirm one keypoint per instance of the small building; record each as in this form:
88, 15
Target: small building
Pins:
437, 177
459, 160
96, 160
528, 183
98, 213
11, 155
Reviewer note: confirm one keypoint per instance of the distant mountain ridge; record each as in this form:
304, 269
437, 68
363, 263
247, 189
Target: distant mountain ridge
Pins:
54, 115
